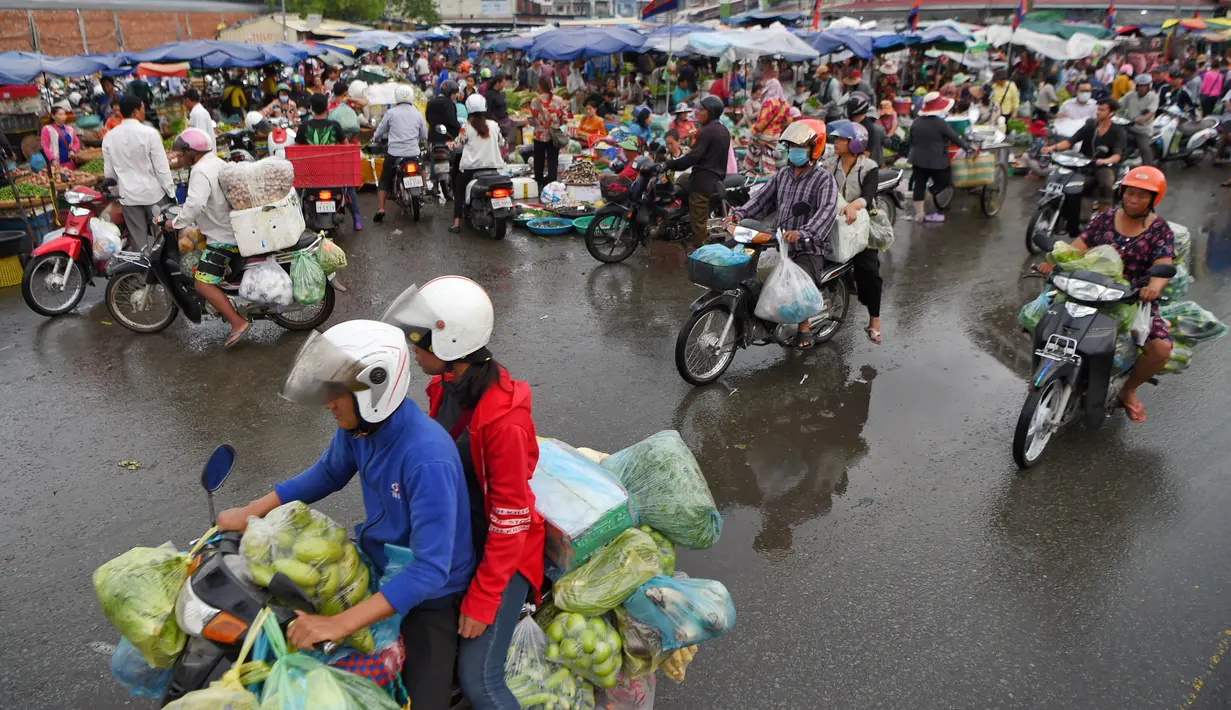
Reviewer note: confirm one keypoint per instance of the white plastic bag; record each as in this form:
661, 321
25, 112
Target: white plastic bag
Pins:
106, 239
267, 283
847, 240
789, 294
553, 193
1143, 320
880, 232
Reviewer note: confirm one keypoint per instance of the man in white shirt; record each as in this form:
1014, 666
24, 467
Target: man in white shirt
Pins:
207, 208
198, 115
134, 157
423, 70
1082, 106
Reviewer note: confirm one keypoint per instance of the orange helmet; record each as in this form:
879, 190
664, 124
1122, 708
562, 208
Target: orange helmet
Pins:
1147, 178
808, 133
464, 67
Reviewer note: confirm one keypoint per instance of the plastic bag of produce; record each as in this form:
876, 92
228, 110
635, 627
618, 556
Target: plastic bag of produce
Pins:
847, 240
554, 193
313, 551
1191, 322
590, 647
1183, 242
789, 294
719, 255
643, 645
678, 662
609, 576
107, 240
267, 283
583, 506
248, 185
330, 256
1181, 357
137, 592
1031, 313
190, 239
1125, 353
1177, 287
1103, 259
139, 678
669, 490
189, 261
1063, 253
300, 682
666, 550
630, 693
525, 668
228, 692
307, 279
685, 612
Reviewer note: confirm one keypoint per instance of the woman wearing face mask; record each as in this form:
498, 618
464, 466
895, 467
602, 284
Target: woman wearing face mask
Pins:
282, 106
856, 177
1142, 239
548, 114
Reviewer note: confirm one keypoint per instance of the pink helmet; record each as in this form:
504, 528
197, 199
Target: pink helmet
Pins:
193, 139
1126, 69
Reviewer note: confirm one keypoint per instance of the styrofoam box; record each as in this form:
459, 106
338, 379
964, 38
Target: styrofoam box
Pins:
525, 188
261, 230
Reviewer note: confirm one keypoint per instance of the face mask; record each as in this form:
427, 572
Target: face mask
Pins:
284, 99
1083, 96
797, 157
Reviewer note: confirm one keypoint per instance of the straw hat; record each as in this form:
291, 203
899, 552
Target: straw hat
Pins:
960, 78
853, 78
935, 105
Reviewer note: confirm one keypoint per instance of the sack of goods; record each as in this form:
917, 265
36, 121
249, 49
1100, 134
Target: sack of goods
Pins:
137, 593
847, 240
266, 213
307, 279
248, 185
789, 294
107, 240
268, 284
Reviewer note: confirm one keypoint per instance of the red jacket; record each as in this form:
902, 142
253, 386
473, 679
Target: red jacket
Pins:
505, 452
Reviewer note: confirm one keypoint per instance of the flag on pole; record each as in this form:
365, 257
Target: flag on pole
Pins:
1110, 21
816, 16
913, 18
659, 6
1022, 9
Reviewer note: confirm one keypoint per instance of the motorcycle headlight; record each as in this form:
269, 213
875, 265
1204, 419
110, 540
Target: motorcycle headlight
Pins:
1063, 171
1088, 291
191, 613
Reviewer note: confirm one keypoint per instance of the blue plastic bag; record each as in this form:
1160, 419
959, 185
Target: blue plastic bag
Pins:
685, 612
138, 677
1031, 313
719, 255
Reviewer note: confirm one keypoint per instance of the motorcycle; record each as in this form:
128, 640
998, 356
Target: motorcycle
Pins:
653, 207
241, 146
280, 136
324, 207
888, 198
724, 319
409, 187
489, 200
1195, 135
1074, 375
1069, 170
441, 155
58, 271
148, 289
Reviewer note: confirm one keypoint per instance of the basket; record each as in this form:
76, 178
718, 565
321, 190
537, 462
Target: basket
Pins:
326, 165
549, 226
13, 242
720, 278
975, 172
10, 271
581, 224
261, 230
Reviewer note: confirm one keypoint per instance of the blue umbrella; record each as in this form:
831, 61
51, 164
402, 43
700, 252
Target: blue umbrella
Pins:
207, 52
583, 43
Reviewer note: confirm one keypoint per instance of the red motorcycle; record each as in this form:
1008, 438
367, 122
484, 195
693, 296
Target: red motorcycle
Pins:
58, 271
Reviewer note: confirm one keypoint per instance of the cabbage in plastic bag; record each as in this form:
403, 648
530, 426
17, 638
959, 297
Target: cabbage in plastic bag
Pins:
720, 255
330, 256
1191, 322
1177, 287
1183, 242
685, 612
525, 667
299, 682
666, 550
138, 677
669, 490
589, 647
1102, 259
609, 576
268, 284
312, 550
307, 279
137, 592
1031, 313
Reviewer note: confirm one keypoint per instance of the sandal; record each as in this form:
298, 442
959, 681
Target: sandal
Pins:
804, 341
236, 337
1136, 413
873, 334
379, 217
455, 229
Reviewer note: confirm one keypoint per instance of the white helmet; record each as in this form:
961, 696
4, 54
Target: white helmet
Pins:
75, 98
253, 119
367, 358
451, 317
98, 90
476, 104
357, 89
403, 94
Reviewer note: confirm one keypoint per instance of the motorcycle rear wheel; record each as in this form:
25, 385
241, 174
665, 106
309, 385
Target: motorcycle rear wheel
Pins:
31, 282
499, 229
415, 206
1042, 216
309, 317
693, 369
1027, 446
885, 204
611, 238
121, 296
826, 325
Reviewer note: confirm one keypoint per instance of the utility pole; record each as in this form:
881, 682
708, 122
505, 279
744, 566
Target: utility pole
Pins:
176, 19
188, 24
284, 33
34, 43
119, 32
85, 44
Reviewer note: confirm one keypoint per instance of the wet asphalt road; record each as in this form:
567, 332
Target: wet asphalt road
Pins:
881, 547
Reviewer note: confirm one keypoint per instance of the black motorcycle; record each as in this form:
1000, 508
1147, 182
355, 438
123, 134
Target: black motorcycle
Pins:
441, 159
651, 207
1068, 174
488, 200
148, 289
724, 318
241, 146
411, 184
324, 208
1074, 375
888, 198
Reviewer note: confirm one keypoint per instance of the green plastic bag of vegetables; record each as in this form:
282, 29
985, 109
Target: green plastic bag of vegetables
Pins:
1192, 322
666, 550
1177, 287
299, 682
1103, 259
330, 257
609, 576
1181, 357
534, 682
590, 647
308, 280
1031, 313
137, 592
669, 490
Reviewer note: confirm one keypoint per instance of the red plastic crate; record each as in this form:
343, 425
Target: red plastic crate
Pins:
16, 91
326, 165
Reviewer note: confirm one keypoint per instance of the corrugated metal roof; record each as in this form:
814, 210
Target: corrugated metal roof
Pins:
137, 5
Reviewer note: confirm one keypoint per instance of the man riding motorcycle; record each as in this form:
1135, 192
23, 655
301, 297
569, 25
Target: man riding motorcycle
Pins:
414, 493
406, 129
1139, 106
708, 159
1105, 142
804, 181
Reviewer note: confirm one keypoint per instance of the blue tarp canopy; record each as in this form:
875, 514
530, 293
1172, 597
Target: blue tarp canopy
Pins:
786, 17
672, 38
289, 53
584, 43
504, 44
864, 44
209, 53
24, 67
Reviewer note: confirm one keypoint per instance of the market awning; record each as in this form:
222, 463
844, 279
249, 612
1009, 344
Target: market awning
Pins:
765, 16
1078, 46
376, 40
25, 67
584, 43
775, 41
150, 69
672, 38
209, 53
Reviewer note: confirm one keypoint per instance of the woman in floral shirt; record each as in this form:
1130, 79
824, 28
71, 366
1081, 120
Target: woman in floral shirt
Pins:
548, 112
1142, 239
775, 115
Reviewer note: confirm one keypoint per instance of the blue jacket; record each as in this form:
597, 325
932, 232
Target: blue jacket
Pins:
414, 492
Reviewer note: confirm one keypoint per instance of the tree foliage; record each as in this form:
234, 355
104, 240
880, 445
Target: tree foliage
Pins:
422, 11
356, 10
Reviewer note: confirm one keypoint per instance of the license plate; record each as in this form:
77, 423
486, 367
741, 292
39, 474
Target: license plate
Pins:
326, 207
412, 182
1053, 188
500, 202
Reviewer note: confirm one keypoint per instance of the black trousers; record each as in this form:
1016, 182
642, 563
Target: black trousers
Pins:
461, 182
1099, 185
940, 180
430, 634
546, 162
868, 284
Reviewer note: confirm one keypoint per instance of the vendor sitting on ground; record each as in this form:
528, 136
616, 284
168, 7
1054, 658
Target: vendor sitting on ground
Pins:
591, 125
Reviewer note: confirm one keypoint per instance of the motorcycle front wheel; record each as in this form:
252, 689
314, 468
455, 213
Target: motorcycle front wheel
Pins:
52, 284
826, 324
139, 306
1033, 433
1039, 221
699, 356
885, 204
611, 238
308, 317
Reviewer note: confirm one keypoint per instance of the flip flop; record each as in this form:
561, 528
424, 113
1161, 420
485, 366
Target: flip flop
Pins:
804, 341
378, 217
236, 337
873, 334
1136, 414
1225, 184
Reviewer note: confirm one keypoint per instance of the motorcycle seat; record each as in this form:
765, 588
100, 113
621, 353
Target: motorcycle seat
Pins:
887, 174
305, 240
732, 181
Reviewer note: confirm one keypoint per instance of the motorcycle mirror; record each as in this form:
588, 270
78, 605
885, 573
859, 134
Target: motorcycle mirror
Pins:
1163, 271
215, 471
109, 182
291, 594
1043, 242
801, 209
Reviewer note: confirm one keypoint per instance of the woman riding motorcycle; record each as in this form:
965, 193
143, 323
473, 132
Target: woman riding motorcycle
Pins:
482, 147
856, 176
1142, 239
487, 413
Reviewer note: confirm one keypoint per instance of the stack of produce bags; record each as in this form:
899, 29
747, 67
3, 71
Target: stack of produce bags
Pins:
266, 216
617, 613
